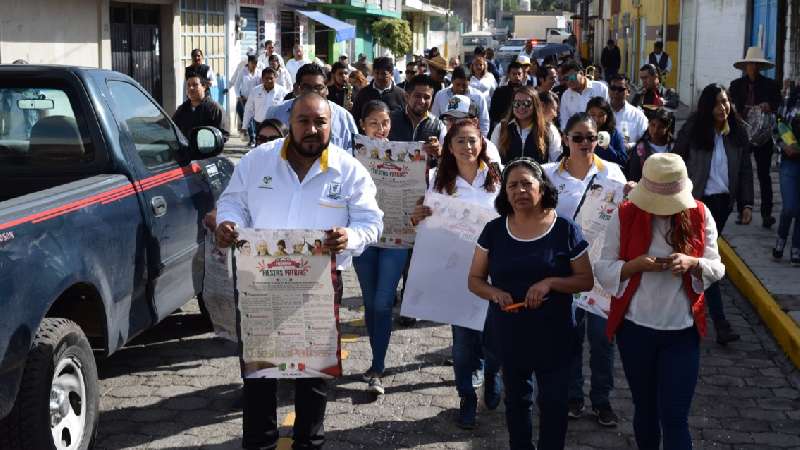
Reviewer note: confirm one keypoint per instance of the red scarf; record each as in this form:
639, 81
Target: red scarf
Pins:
636, 233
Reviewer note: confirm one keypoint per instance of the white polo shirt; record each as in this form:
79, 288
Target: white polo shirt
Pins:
573, 102
634, 119
470, 192
266, 193
259, 101
570, 189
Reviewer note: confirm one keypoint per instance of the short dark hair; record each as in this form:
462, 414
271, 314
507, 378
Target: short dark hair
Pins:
515, 65
251, 58
276, 124
541, 72
571, 65
310, 69
268, 42
273, 57
338, 65
651, 69
268, 71
479, 51
383, 63
619, 77
420, 80
191, 73
411, 64
372, 106
459, 73
610, 42
196, 51
658, 44
341, 57
549, 192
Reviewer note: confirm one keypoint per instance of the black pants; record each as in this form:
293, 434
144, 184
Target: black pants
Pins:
763, 157
720, 207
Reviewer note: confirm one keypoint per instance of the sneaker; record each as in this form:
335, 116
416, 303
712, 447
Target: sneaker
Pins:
491, 392
795, 258
477, 378
467, 411
575, 409
404, 321
725, 334
375, 386
606, 416
251, 144
369, 375
777, 251
768, 222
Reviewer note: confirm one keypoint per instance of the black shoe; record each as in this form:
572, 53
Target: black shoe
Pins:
795, 258
768, 222
467, 412
606, 416
404, 321
576, 409
725, 334
777, 251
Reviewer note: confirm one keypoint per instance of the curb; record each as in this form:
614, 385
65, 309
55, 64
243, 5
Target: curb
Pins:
783, 327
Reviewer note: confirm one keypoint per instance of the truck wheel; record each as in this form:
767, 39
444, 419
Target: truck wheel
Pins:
57, 403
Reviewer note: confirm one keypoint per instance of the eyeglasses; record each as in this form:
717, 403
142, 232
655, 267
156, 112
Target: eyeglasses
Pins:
578, 139
618, 88
264, 139
522, 103
571, 77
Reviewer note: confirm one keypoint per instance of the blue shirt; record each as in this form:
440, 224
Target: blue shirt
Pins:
343, 126
544, 336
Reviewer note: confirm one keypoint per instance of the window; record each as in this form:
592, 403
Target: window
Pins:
38, 127
151, 131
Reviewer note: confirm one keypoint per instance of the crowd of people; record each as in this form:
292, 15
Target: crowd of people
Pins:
531, 144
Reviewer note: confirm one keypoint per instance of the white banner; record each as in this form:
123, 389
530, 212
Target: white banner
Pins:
437, 279
218, 295
398, 170
285, 299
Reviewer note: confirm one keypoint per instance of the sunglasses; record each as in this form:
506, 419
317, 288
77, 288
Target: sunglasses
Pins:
578, 139
522, 103
617, 88
573, 77
264, 139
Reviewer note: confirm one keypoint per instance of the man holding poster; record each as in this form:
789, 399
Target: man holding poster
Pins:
300, 183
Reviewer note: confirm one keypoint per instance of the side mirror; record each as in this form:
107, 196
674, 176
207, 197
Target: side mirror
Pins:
205, 142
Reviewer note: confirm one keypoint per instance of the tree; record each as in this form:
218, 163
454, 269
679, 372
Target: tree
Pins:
394, 34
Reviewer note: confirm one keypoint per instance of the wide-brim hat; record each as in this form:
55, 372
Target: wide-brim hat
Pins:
439, 63
665, 188
754, 55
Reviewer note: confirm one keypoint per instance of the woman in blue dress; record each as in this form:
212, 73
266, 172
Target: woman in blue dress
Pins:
536, 261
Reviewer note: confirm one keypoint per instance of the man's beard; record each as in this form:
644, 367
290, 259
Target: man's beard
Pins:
315, 152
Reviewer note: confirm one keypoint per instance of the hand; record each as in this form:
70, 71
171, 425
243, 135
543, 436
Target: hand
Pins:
682, 263
432, 147
747, 216
537, 293
336, 240
645, 263
420, 213
210, 220
226, 234
628, 187
502, 298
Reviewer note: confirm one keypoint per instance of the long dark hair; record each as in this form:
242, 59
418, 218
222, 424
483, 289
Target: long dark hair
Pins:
663, 116
703, 130
601, 103
447, 171
549, 192
538, 125
680, 235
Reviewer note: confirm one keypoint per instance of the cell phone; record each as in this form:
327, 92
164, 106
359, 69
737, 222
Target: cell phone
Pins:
663, 260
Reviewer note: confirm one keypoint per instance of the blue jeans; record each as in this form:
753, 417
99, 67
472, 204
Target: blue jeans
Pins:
552, 390
378, 270
469, 355
601, 360
662, 369
790, 193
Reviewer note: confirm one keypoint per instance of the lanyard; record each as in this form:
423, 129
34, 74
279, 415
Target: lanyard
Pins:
583, 197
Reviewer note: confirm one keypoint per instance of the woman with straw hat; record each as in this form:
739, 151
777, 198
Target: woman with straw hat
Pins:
659, 255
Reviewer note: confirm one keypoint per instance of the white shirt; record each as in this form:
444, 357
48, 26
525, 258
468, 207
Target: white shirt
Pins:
658, 58
485, 85
259, 101
491, 151
570, 189
263, 60
337, 191
660, 302
573, 102
294, 65
718, 175
634, 120
660, 148
470, 192
247, 81
442, 97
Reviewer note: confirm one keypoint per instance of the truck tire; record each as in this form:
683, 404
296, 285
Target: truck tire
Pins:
57, 403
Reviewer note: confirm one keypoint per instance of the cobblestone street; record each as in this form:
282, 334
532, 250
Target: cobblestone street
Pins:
178, 387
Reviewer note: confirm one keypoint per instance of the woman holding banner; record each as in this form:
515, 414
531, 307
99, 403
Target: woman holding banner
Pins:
466, 172
378, 269
536, 261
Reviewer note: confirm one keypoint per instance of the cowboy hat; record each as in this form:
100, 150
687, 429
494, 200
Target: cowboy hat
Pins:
754, 55
665, 188
439, 63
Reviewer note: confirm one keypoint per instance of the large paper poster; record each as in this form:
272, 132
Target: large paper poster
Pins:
285, 299
599, 206
398, 169
218, 296
437, 279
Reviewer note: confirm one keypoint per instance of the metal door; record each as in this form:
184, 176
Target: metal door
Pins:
250, 31
136, 44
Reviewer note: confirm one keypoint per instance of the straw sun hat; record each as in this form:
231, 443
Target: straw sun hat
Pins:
754, 55
665, 188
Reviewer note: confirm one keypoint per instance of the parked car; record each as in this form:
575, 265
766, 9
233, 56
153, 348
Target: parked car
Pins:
101, 203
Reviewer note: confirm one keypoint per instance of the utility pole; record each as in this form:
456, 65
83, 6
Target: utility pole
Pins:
447, 33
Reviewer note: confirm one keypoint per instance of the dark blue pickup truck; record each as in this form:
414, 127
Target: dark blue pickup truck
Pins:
101, 208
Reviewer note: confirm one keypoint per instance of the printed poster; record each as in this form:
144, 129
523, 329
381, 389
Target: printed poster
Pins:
218, 288
600, 205
437, 280
285, 298
398, 170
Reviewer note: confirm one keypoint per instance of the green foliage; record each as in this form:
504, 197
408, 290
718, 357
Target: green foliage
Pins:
394, 34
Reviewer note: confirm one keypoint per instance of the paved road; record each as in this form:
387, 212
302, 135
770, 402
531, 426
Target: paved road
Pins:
178, 387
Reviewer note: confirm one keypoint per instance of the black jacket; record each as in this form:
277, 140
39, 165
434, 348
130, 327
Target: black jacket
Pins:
766, 91
515, 148
610, 59
394, 98
668, 96
501, 102
403, 130
207, 113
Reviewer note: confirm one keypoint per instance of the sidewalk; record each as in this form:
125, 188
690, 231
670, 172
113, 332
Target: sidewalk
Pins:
753, 244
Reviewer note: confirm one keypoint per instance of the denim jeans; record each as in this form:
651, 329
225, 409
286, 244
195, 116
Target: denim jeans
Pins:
552, 386
469, 355
790, 193
763, 156
662, 369
720, 207
601, 359
378, 270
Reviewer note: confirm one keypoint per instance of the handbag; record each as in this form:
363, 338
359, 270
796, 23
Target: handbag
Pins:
760, 126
